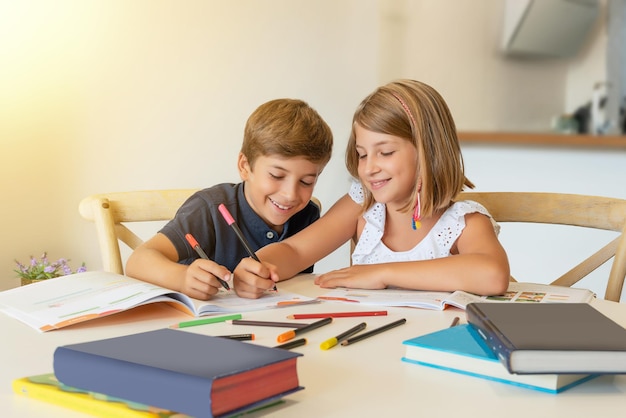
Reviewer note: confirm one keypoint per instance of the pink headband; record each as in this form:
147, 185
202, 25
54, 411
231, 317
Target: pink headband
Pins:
406, 109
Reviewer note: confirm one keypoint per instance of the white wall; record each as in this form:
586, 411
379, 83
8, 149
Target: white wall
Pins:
123, 95
111, 95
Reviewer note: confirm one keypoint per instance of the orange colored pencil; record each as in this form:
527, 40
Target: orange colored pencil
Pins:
286, 336
337, 314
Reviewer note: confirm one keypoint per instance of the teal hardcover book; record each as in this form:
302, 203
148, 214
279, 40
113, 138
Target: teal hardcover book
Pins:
460, 349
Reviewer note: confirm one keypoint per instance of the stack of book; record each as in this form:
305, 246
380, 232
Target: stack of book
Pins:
547, 347
170, 370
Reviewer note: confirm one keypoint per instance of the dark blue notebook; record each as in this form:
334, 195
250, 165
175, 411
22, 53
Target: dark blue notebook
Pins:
194, 374
550, 337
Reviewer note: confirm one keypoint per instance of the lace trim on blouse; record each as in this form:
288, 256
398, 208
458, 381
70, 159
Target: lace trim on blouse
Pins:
371, 250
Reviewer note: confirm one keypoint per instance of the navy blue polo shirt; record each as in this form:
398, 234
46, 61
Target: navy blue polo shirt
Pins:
200, 216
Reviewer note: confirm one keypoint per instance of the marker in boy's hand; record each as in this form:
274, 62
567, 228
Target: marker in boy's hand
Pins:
194, 244
259, 278
231, 222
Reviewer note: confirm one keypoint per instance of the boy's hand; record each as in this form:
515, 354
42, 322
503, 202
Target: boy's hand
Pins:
252, 279
201, 279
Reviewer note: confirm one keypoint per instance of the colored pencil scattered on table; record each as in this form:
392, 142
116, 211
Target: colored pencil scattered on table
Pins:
374, 332
285, 336
337, 314
204, 321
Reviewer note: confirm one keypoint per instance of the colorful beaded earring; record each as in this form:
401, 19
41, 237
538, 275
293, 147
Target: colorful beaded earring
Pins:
417, 214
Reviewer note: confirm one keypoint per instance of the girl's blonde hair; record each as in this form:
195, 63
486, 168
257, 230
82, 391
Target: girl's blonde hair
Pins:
415, 111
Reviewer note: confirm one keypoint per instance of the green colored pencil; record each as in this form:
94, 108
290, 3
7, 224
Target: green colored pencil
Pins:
203, 321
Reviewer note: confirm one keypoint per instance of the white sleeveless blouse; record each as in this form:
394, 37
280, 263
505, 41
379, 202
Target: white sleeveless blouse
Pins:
370, 248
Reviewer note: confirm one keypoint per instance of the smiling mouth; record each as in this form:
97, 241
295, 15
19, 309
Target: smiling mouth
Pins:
378, 184
279, 206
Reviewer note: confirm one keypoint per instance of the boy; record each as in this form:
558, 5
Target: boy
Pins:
286, 146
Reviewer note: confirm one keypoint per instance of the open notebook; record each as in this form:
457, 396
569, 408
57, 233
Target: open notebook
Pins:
517, 292
67, 300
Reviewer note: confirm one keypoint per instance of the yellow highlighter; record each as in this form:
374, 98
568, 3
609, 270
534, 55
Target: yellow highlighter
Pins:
339, 338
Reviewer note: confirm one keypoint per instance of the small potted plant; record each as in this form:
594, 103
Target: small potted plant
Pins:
42, 269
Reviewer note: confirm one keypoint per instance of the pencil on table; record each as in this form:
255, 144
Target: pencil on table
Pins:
292, 344
337, 314
285, 336
204, 321
374, 332
331, 342
268, 323
238, 337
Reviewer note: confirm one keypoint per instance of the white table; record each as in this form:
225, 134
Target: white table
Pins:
366, 379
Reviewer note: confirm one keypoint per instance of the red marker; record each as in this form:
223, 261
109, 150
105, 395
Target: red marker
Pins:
194, 244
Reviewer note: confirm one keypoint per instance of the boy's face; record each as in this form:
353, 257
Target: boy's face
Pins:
278, 187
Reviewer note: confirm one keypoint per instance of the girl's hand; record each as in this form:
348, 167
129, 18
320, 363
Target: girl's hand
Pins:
252, 279
200, 280
355, 277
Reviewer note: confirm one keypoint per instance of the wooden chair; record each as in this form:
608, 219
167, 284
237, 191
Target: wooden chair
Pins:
567, 209
111, 211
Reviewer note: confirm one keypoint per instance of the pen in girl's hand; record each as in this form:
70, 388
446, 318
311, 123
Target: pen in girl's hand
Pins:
231, 222
194, 244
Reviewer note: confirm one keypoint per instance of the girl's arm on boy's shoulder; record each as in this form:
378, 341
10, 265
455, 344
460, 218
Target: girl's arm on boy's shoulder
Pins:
479, 266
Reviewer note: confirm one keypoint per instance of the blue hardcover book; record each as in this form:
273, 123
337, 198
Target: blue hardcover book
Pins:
193, 374
460, 349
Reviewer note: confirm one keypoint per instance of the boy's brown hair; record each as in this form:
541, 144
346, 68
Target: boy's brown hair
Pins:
416, 112
289, 128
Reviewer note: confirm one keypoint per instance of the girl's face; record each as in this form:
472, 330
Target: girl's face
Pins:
278, 187
387, 166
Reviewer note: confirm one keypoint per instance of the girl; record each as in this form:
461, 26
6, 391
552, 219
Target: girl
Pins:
409, 230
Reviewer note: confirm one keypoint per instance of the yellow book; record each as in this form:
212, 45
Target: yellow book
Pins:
47, 388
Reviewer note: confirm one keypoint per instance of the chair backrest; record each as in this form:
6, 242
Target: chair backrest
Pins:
111, 211
567, 209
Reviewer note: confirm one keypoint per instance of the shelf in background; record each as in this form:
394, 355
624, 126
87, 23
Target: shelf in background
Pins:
544, 139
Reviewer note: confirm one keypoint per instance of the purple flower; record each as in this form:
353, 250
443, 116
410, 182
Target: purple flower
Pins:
66, 269
42, 269
21, 266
